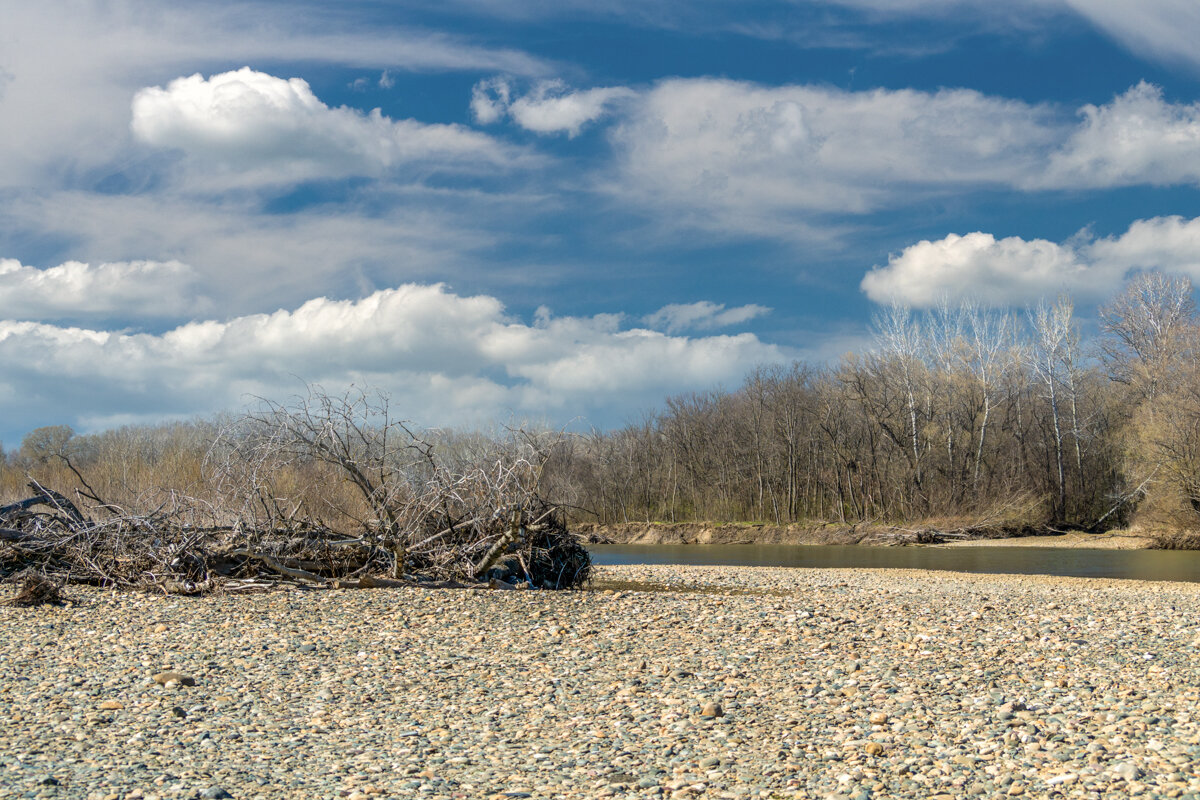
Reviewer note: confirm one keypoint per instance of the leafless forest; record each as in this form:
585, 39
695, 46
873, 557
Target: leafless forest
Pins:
963, 417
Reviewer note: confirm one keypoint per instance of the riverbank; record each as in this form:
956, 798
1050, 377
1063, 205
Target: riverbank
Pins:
1111, 540
826, 534
677, 682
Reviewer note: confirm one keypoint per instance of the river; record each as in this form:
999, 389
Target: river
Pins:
1149, 565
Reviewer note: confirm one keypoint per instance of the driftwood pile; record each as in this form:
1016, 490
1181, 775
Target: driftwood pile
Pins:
48, 540
405, 514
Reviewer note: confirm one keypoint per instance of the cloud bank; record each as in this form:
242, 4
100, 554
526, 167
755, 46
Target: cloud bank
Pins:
446, 358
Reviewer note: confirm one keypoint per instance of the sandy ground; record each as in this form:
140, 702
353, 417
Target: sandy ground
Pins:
1114, 540
765, 534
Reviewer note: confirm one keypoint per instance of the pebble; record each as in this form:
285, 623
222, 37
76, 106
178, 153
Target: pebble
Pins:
174, 677
831, 683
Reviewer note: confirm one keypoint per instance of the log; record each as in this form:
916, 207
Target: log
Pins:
60, 502
21, 505
273, 564
45, 497
14, 535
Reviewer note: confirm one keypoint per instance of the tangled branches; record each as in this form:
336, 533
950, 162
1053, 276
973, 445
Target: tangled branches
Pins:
326, 491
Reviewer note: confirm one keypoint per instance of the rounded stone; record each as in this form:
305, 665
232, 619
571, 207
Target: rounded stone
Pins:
174, 677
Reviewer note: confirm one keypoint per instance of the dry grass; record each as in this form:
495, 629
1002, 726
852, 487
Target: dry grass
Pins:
1187, 539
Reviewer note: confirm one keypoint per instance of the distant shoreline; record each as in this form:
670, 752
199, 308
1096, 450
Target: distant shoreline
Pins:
872, 536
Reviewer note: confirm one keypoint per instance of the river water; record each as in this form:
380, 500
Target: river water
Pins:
1151, 565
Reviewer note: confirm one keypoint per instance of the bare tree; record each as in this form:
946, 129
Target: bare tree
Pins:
898, 336
1149, 332
990, 337
1051, 326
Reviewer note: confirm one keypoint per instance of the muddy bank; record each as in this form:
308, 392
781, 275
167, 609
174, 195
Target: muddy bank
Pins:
829, 534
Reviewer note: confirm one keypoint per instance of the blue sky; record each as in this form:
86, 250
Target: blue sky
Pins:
556, 211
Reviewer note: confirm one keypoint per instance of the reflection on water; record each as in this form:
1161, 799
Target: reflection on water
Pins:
1149, 565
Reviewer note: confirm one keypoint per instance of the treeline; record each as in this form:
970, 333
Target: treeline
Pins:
961, 413
965, 413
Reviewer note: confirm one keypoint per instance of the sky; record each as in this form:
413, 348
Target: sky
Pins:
563, 212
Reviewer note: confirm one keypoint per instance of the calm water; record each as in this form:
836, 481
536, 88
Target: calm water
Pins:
1153, 565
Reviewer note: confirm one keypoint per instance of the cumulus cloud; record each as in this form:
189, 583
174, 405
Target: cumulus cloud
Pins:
1137, 138
1015, 270
1171, 244
447, 359
131, 291
550, 107
704, 315
255, 124
977, 265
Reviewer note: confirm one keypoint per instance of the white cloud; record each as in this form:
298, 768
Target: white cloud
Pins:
704, 315
977, 265
774, 160
550, 107
1166, 30
748, 156
1013, 271
255, 124
1171, 244
1137, 138
447, 359
130, 291
490, 99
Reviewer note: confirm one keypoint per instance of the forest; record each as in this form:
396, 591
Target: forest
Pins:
963, 417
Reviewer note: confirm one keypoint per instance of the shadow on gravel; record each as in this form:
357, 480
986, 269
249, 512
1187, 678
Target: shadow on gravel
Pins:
38, 590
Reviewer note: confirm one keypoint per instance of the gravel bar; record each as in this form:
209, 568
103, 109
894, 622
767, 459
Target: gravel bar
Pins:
672, 682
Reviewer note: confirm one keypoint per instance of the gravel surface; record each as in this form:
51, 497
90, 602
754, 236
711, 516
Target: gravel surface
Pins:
676, 682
